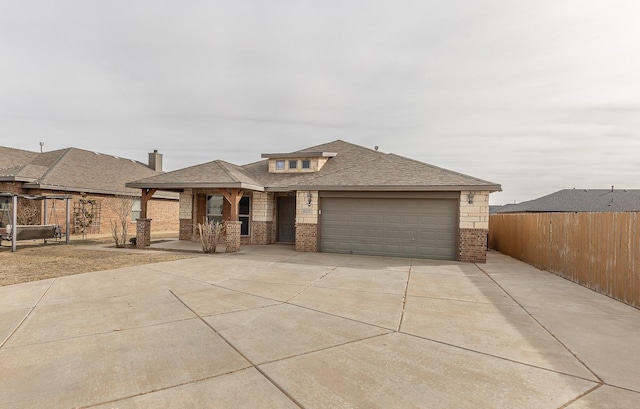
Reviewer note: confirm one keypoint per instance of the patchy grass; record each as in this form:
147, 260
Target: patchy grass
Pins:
39, 261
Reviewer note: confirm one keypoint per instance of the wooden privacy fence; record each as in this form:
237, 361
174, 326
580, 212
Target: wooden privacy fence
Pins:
600, 251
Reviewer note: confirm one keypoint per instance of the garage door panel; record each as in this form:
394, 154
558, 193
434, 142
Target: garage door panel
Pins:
394, 227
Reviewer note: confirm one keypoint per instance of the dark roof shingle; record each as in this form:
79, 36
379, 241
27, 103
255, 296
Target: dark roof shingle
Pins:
580, 200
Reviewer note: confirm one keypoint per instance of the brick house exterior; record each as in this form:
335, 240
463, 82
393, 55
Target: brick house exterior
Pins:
91, 176
338, 197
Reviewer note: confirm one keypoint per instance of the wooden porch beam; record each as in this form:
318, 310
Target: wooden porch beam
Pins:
232, 196
146, 195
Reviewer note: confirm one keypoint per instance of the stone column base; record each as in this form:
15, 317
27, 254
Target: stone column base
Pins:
307, 237
232, 238
143, 233
473, 245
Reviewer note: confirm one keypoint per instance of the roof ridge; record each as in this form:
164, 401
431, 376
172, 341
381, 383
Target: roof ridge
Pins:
44, 175
224, 165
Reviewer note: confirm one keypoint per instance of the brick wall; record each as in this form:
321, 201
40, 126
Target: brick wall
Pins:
307, 237
11, 187
233, 236
474, 226
473, 245
186, 229
143, 233
261, 232
164, 214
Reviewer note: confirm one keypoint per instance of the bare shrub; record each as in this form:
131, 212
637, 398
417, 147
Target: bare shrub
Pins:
210, 235
121, 206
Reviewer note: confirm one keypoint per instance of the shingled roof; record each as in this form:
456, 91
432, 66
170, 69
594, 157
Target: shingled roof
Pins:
580, 200
11, 158
72, 170
215, 174
353, 167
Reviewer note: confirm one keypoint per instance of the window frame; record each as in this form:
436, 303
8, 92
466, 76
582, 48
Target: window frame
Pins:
294, 162
215, 217
136, 209
280, 164
245, 216
306, 162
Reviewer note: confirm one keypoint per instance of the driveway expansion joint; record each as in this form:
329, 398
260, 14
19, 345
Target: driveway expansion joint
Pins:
246, 358
542, 326
3, 343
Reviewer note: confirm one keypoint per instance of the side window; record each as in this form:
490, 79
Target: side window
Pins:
214, 208
279, 165
306, 164
244, 215
293, 164
136, 209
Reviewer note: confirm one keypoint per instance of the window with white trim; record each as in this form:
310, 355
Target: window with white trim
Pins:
136, 209
214, 208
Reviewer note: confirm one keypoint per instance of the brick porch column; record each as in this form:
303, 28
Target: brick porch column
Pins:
143, 233
233, 236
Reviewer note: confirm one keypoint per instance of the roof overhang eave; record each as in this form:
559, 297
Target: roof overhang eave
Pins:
204, 185
401, 188
89, 190
17, 179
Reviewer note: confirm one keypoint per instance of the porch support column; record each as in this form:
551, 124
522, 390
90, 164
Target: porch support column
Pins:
14, 222
233, 196
143, 224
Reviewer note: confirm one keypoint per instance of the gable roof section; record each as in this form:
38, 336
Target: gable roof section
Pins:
580, 200
215, 174
74, 170
11, 158
395, 173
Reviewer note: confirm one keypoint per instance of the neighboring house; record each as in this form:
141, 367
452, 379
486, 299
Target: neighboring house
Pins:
336, 197
95, 178
579, 200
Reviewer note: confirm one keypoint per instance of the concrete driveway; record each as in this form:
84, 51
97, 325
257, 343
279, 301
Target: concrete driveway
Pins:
271, 328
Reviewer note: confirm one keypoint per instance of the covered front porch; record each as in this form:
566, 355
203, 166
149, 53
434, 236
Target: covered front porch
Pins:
227, 210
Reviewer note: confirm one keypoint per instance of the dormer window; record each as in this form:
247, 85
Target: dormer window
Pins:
297, 162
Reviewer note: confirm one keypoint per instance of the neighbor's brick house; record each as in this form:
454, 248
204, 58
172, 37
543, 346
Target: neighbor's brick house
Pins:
336, 197
90, 175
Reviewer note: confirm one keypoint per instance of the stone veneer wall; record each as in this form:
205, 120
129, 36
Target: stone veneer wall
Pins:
262, 216
307, 237
306, 221
474, 227
185, 214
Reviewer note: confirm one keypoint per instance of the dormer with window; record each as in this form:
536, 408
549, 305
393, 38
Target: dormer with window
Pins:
297, 162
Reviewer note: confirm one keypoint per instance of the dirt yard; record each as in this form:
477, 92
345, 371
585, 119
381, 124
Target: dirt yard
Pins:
35, 261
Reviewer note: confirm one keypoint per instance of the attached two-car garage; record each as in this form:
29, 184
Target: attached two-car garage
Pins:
390, 226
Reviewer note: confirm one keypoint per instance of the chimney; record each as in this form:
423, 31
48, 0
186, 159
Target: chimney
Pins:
155, 160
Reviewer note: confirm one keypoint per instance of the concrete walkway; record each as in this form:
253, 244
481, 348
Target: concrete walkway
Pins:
272, 328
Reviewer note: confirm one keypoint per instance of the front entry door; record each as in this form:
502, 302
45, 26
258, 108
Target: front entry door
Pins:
287, 219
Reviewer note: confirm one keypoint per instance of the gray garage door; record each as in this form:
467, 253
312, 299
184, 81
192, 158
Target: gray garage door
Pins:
424, 228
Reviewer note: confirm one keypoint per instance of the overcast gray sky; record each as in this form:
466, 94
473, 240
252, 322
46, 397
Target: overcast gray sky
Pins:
534, 95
